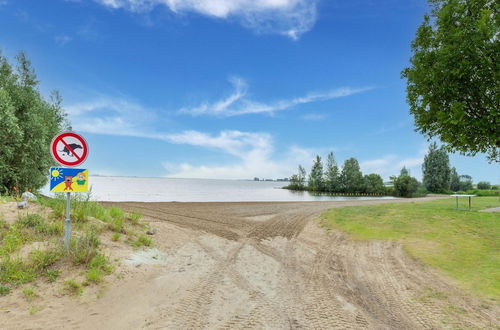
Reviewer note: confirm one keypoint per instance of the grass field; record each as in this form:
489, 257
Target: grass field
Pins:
463, 244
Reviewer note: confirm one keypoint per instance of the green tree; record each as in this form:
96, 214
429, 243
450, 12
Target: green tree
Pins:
405, 186
436, 169
483, 185
331, 174
465, 182
27, 125
297, 181
452, 82
316, 176
454, 180
351, 178
404, 171
373, 184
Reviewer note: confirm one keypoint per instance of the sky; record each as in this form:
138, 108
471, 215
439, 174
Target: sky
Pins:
229, 89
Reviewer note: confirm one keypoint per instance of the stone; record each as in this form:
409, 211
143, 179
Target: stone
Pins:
22, 205
27, 196
151, 231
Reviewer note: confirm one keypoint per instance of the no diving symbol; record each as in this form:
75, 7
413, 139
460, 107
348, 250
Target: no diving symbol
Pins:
69, 149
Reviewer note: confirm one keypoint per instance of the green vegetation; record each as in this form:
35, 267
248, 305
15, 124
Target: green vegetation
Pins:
27, 125
436, 169
452, 82
463, 244
91, 220
73, 288
30, 294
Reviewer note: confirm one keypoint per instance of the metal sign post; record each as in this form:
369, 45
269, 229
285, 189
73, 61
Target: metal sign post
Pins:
68, 149
67, 226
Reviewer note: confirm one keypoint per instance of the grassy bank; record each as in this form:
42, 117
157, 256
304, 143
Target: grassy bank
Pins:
463, 244
31, 246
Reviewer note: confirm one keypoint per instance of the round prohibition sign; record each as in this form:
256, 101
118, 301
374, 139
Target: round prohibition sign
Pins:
69, 149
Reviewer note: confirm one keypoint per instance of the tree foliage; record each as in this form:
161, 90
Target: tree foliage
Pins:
465, 182
351, 178
315, 182
27, 125
331, 174
483, 185
405, 186
297, 181
453, 81
373, 184
436, 169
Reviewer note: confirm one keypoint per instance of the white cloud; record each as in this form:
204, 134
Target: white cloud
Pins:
290, 18
392, 165
237, 103
62, 40
252, 151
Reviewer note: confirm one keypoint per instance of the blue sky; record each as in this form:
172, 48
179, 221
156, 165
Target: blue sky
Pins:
229, 88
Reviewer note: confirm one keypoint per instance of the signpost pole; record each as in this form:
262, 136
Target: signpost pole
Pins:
67, 232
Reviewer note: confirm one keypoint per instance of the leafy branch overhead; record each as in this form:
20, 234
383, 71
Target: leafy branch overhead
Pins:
453, 84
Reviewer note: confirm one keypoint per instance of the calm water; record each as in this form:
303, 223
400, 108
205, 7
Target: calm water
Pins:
198, 190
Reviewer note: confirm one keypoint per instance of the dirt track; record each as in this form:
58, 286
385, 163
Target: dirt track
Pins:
268, 265
262, 266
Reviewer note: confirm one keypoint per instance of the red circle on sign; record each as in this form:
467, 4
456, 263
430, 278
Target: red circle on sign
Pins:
68, 149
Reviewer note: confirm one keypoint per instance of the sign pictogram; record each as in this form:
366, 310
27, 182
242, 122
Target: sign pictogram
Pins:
69, 179
69, 149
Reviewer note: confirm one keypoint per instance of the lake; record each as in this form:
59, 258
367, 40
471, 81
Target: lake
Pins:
120, 189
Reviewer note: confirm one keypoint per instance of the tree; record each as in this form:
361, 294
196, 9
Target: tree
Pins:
452, 82
454, 180
297, 181
351, 178
331, 174
483, 185
436, 169
465, 182
373, 184
27, 125
316, 176
405, 186
404, 171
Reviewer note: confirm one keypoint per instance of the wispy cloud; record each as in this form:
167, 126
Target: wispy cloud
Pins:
314, 116
238, 103
253, 153
290, 18
392, 164
62, 40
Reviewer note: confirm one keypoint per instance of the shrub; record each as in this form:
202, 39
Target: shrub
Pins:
483, 185
405, 186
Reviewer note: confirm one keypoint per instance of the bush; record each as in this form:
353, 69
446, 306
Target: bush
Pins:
483, 185
405, 186
483, 192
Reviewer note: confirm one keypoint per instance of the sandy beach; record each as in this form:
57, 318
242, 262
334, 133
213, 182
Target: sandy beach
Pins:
257, 266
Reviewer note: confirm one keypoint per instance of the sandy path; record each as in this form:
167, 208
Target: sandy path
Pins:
268, 266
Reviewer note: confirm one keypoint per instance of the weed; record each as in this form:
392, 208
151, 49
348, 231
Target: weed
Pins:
95, 275
142, 240
115, 237
15, 271
116, 213
73, 287
84, 248
41, 260
34, 310
30, 294
31, 221
4, 290
52, 274
134, 218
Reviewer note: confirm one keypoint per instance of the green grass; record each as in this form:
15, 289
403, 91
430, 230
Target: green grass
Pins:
30, 294
142, 240
73, 288
463, 244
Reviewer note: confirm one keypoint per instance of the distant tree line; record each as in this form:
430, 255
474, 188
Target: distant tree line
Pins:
438, 177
